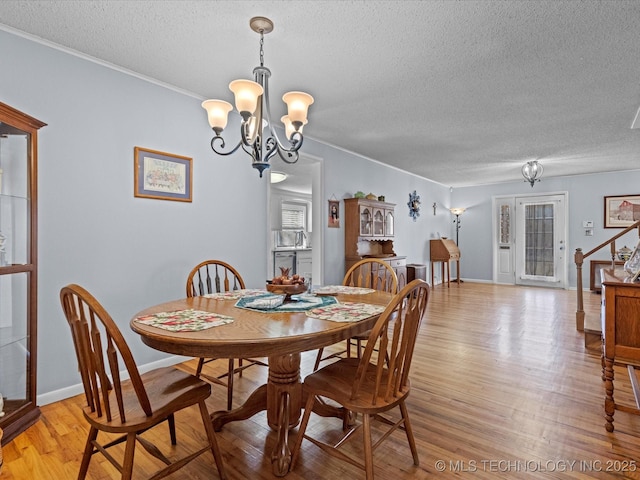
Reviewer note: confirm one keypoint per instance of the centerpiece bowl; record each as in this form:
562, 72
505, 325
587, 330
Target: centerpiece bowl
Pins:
287, 290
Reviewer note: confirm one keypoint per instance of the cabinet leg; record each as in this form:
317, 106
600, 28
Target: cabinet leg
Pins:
609, 403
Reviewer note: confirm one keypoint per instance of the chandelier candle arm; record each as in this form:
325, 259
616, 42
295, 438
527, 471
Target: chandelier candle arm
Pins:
258, 136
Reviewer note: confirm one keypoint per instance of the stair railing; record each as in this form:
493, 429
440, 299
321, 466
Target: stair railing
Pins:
579, 259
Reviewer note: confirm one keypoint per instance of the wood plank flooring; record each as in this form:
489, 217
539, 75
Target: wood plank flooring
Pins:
501, 388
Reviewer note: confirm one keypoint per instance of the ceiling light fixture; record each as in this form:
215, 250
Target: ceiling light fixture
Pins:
252, 102
532, 171
277, 177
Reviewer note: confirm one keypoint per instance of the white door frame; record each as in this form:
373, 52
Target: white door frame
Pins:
507, 251
317, 218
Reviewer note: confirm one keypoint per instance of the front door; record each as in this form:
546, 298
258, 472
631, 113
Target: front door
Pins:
540, 253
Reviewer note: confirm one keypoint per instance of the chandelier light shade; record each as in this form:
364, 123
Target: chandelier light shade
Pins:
258, 137
532, 171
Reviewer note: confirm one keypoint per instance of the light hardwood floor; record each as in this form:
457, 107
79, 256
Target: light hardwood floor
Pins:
501, 388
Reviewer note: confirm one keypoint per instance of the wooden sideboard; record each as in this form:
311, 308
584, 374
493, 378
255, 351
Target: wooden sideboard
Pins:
444, 250
620, 318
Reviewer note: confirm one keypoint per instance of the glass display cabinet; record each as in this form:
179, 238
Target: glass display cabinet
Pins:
18, 270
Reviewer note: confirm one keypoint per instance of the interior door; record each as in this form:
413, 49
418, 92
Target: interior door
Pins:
540, 253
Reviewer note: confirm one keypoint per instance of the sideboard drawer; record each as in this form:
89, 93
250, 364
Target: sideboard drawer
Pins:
397, 262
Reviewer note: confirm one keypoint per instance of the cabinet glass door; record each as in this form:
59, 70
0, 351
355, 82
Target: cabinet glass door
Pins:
18, 272
14, 256
388, 223
366, 219
378, 222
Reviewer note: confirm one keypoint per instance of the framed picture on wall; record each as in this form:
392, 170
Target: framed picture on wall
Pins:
334, 214
162, 176
621, 211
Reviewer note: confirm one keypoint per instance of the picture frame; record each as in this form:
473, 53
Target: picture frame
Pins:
334, 214
162, 176
621, 211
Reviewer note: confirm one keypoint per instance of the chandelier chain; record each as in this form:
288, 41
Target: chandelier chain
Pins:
261, 48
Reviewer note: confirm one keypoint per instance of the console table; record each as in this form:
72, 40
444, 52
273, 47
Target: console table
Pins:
620, 318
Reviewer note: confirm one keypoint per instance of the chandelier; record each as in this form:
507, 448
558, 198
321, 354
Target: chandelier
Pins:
258, 137
532, 171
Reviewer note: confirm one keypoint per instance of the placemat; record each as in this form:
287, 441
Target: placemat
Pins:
235, 294
185, 320
346, 312
300, 303
337, 289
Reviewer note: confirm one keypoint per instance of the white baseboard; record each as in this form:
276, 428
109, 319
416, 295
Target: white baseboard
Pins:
77, 389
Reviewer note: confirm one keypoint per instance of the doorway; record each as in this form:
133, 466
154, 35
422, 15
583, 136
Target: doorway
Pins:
302, 185
530, 240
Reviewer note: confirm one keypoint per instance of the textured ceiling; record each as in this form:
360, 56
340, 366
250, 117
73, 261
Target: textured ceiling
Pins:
459, 92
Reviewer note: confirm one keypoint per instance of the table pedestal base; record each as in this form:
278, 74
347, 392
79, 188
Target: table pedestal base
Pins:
283, 398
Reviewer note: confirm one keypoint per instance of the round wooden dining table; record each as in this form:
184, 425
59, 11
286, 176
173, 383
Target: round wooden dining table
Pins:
281, 337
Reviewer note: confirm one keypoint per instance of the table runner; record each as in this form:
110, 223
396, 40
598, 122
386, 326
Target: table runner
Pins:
185, 320
300, 303
346, 312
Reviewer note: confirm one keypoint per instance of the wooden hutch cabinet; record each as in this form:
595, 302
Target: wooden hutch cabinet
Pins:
18, 270
369, 232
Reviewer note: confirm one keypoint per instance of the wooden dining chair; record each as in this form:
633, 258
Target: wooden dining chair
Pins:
128, 408
375, 383
216, 276
367, 273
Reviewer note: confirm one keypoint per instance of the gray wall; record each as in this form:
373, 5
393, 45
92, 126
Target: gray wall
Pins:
586, 202
130, 252
133, 253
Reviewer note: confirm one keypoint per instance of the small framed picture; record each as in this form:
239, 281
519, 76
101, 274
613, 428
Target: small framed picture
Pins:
334, 214
163, 176
621, 211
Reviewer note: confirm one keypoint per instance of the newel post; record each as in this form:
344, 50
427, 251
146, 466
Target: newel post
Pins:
579, 259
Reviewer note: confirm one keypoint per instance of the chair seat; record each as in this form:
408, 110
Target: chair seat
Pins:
335, 381
169, 390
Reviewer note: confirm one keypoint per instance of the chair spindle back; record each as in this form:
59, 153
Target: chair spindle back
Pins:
395, 334
372, 273
101, 352
213, 276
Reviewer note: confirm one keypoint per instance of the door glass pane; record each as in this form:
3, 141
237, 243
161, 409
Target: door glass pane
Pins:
539, 240
505, 224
